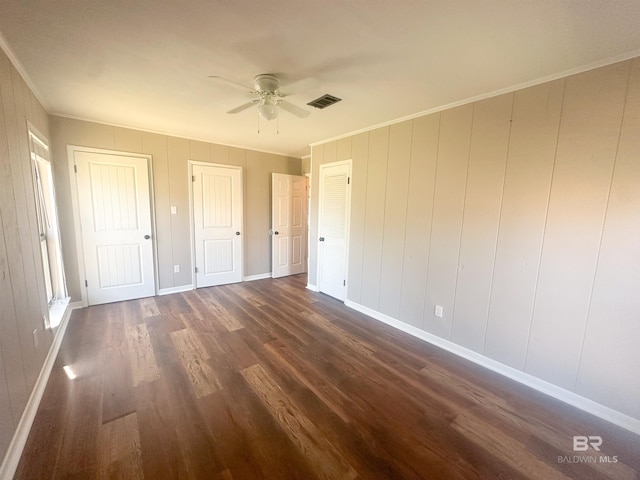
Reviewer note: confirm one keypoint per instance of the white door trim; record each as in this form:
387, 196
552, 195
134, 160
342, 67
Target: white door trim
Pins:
71, 151
308, 200
192, 234
323, 166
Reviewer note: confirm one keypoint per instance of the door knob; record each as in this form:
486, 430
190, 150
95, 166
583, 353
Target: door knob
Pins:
322, 239
147, 237
237, 233
276, 233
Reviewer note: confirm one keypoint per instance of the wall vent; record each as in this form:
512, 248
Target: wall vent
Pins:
324, 101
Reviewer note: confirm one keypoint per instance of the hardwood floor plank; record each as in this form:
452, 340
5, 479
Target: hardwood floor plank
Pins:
118, 397
403, 448
78, 451
149, 307
341, 335
142, 357
266, 448
163, 347
285, 326
499, 409
502, 446
240, 349
83, 350
226, 475
248, 295
172, 304
311, 378
269, 380
260, 327
326, 460
194, 360
199, 316
119, 450
48, 424
165, 322
159, 443
115, 332
223, 316
366, 449
233, 445
197, 445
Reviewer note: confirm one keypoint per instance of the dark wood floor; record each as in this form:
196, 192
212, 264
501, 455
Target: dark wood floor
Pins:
269, 380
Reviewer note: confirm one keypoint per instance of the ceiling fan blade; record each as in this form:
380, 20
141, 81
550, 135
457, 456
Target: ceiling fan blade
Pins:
242, 107
231, 83
293, 109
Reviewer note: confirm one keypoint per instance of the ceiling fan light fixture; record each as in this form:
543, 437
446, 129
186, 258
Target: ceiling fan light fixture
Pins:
268, 108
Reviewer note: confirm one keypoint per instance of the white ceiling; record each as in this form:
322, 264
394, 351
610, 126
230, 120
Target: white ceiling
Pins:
145, 63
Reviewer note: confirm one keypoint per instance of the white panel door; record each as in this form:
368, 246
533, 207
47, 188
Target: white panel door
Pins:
115, 215
289, 224
333, 228
217, 224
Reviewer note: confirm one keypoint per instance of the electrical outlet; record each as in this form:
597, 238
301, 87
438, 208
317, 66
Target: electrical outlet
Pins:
176, 269
35, 337
438, 311
174, 210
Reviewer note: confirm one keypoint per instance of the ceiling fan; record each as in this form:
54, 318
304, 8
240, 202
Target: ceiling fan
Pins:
266, 96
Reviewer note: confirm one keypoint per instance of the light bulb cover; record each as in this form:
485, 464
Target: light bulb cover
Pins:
268, 108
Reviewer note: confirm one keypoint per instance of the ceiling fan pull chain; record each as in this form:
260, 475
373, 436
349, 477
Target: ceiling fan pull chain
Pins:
258, 123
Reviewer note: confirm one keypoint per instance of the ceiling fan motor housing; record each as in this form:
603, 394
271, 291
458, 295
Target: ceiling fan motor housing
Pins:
266, 83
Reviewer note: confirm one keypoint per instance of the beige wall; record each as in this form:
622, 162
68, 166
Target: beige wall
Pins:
520, 215
305, 168
22, 291
170, 157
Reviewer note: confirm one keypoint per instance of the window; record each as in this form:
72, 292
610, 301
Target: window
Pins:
48, 229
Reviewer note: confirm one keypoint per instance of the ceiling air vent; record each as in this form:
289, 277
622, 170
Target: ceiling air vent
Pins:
324, 101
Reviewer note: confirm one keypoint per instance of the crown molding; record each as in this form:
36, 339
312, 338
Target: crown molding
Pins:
17, 64
520, 86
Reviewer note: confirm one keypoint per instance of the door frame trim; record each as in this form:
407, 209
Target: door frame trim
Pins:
323, 166
73, 183
192, 233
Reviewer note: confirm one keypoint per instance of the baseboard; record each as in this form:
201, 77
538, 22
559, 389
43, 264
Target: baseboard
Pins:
169, 291
314, 288
260, 276
73, 306
14, 452
186, 288
566, 396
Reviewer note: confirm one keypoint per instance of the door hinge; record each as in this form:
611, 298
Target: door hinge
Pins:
86, 284
348, 180
193, 178
75, 168
344, 283
196, 269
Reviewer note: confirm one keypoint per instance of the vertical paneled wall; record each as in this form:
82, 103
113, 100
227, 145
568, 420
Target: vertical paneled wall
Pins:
170, 158
447, 216
613, 322
520, 216
22, 296
588, 138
